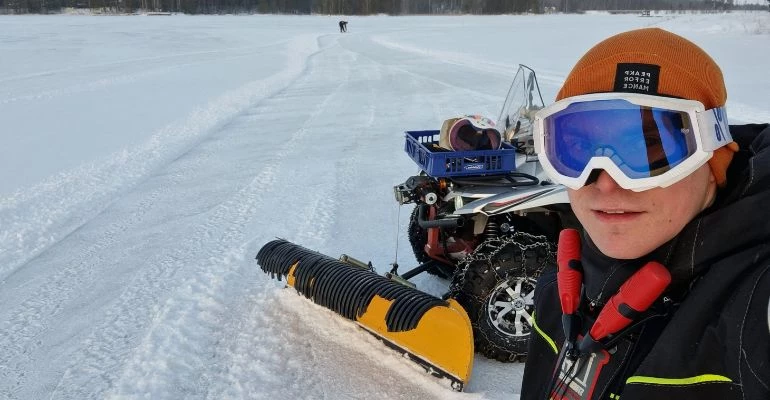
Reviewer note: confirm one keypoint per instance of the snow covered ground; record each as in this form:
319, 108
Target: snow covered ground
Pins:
145, 160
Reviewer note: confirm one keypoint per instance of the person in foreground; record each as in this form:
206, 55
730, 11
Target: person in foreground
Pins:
664, 292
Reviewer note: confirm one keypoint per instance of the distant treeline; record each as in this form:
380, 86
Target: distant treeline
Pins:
361, 7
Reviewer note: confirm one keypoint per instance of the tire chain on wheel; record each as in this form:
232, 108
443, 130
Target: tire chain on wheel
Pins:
534, 252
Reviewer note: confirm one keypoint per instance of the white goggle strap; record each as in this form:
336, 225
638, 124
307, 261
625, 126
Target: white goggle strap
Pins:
713, 127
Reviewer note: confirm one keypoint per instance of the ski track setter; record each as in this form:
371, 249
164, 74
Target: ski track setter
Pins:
403, 317
485, 220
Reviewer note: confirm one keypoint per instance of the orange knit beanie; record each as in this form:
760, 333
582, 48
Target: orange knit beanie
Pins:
656, 62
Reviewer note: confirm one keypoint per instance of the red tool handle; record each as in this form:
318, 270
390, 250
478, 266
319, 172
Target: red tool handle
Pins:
570, 277
636, 295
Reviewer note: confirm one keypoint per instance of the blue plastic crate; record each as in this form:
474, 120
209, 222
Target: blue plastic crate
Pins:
422, 147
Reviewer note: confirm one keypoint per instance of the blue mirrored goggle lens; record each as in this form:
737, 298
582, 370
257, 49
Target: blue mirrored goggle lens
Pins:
642, 141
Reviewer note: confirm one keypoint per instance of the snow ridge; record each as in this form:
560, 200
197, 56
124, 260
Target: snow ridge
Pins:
34, 219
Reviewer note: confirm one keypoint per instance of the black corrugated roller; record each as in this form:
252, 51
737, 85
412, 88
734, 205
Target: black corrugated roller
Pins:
343, 288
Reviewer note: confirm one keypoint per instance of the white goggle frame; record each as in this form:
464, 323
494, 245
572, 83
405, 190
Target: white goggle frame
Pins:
711, 131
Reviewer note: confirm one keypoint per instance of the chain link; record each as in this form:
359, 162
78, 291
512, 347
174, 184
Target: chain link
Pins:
488, 249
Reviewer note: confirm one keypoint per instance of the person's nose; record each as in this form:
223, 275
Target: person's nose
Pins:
605, 183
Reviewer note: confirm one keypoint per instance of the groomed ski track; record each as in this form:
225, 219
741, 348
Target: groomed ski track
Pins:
197, 319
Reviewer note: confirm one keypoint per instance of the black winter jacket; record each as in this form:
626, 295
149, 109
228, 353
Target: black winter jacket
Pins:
714, 340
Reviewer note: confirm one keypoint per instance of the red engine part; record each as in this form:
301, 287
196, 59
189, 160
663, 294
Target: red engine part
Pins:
434, 247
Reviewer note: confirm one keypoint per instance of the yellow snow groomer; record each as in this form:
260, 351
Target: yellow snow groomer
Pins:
432, 332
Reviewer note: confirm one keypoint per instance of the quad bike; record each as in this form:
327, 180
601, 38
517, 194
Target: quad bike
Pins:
485, 220
490, 235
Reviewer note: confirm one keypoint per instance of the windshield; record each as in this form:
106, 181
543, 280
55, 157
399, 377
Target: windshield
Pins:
521, 104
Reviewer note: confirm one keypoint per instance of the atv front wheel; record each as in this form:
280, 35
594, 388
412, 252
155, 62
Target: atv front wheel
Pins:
496, 286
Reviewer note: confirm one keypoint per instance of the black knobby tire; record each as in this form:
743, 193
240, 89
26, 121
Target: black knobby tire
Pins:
418, 237
495, 287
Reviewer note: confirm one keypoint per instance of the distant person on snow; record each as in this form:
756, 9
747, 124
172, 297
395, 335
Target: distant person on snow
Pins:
663, 292
343, 26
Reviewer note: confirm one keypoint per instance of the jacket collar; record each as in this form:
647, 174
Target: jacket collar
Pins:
738, 219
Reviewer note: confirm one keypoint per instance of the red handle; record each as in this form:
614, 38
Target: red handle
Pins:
635, 295
569, 278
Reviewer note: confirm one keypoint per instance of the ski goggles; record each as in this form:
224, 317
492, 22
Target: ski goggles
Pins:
642, 141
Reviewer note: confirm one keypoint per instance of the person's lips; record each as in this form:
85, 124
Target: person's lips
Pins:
616, 214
